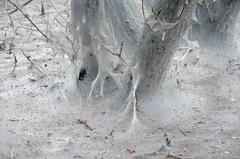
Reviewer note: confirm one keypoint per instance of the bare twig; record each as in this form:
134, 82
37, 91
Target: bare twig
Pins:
28, 58
24, 4
182, 11
73, 56
144, 17
11, 22
143, 11
59, 23
11, 45
42, 9
112, 52
26, 16
157, 14
121, 49
54, 6
184, 134
163, 23
15, 60
171, 156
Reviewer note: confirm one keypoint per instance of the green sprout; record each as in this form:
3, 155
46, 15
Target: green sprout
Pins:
167, 139
167, 143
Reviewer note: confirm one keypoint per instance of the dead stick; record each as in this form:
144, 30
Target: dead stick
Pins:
144, 17
110, 51
143, 12
28, 58
84, 122
24, 4
26, 16
15, 60
42, 8
121, 49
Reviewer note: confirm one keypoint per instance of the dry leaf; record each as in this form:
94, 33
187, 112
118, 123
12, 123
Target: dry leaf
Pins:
131, 150
196, 109
84, 122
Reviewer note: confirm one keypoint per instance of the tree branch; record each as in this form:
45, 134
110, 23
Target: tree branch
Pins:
26, 16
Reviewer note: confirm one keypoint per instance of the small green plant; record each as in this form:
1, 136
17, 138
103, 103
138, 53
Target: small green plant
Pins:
167, 139
166, 144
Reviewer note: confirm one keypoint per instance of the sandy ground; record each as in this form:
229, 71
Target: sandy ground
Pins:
42, 117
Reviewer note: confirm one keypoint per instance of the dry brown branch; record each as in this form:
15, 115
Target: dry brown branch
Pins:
84, 122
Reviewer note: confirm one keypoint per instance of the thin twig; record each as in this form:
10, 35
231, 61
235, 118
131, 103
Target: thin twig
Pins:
143, 11
59, 13
24, 4
182, 11
171, 156
184, 134
59, 22
26, 16
163, 23
110, 51
144, 17
11, 21
42, 9
28, 58
15, 60
121, 49
11, 45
